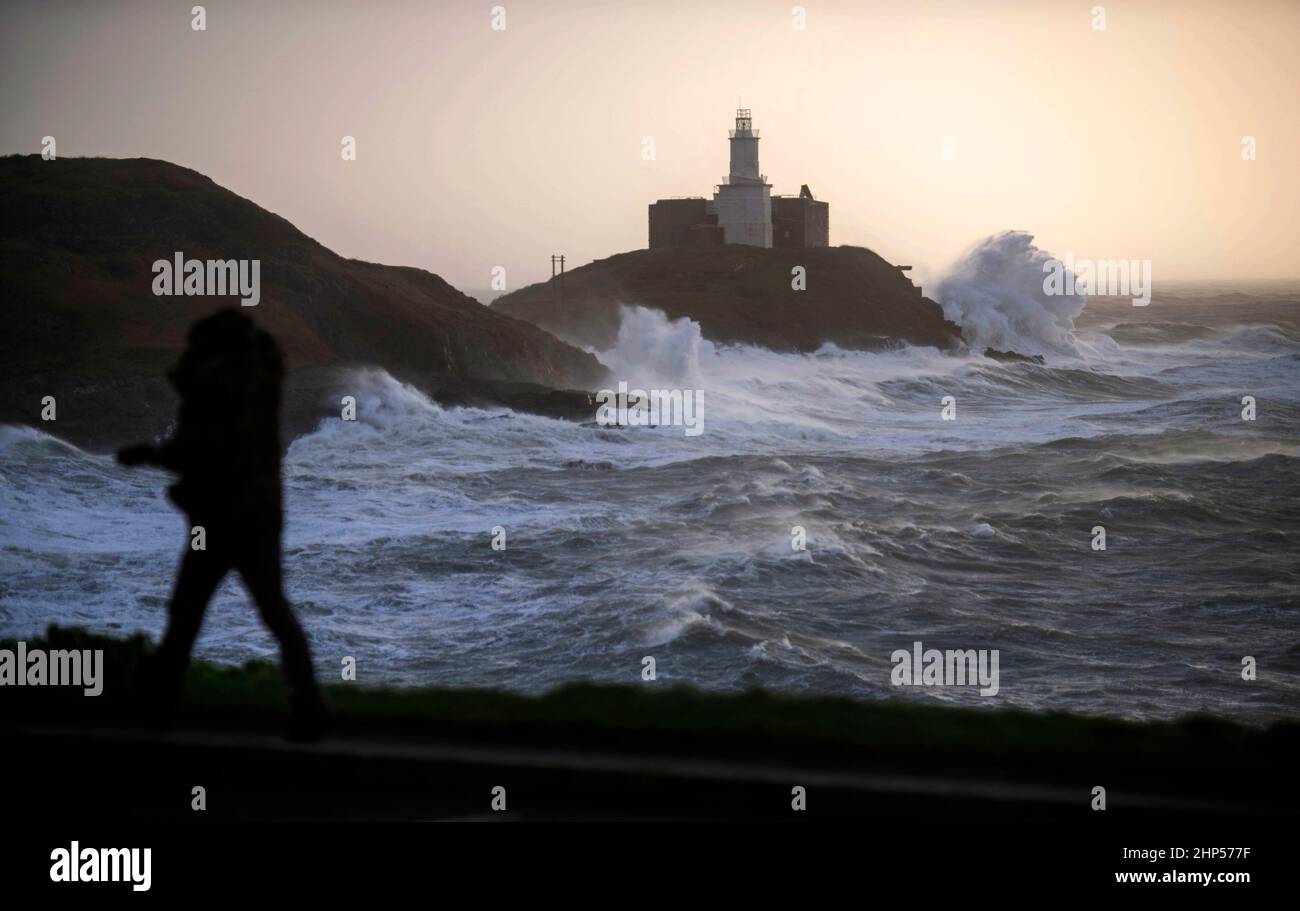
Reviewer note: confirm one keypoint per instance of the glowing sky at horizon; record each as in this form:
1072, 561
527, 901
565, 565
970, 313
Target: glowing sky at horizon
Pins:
479, 148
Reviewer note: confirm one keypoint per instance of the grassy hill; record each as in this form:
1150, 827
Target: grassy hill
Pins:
79, 320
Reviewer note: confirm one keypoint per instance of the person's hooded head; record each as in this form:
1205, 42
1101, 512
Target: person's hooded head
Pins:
227, 353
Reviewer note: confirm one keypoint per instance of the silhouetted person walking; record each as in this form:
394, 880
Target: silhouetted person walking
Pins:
226, 449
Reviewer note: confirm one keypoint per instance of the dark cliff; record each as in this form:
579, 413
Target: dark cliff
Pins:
853, 298
79, 320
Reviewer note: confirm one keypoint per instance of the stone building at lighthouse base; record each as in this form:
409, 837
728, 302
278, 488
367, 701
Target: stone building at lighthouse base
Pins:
742, 210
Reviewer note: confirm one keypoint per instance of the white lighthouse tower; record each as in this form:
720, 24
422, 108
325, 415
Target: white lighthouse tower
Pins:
743, 203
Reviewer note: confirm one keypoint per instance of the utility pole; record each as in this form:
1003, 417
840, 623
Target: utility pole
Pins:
560, 260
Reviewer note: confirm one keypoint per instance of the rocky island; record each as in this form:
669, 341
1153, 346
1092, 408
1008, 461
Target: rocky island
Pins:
739, 294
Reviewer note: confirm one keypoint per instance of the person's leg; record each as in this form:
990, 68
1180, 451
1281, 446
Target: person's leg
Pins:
199, 575
259, 564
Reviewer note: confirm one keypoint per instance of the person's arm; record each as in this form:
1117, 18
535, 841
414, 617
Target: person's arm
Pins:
137, 455
168, 455
164, 456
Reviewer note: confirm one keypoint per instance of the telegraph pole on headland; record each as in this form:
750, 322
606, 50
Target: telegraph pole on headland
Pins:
560, 260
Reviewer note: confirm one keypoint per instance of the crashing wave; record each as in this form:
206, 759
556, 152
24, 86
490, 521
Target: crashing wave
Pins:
996, 294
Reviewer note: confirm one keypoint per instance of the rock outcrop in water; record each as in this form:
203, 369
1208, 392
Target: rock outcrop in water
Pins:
853, 298
79, 320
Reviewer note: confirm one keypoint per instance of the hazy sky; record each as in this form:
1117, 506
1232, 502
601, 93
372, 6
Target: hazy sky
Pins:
478, 148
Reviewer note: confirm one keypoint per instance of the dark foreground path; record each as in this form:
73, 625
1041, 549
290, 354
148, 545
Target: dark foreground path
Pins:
923, 800
124, 773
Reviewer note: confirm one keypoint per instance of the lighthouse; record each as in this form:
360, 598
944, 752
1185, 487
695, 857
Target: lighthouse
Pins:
743, 209
743, 203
